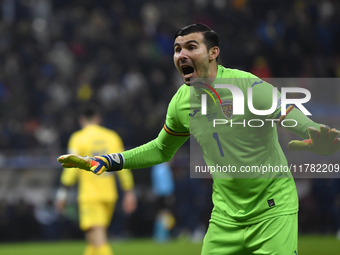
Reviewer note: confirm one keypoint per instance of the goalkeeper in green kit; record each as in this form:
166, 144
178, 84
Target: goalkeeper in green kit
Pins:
251, 215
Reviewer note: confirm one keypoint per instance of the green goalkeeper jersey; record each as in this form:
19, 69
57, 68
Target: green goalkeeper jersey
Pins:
238, 198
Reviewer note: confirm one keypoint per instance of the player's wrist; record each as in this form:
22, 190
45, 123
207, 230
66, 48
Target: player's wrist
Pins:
115, 161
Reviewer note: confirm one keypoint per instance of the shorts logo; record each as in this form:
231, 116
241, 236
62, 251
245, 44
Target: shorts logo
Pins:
227, 108
271, 202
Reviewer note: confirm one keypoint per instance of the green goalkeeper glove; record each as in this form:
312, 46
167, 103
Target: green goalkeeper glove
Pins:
323, 142
97, 164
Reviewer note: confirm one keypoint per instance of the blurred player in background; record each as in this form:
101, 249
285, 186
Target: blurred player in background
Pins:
163, 187
252, 214
97, 195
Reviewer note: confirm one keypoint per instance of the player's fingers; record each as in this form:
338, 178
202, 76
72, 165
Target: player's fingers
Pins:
313, 133
80, 162
296, 145
62, 158
324, 131
337, 143
68, 165
70, 158
334, 147
333, 133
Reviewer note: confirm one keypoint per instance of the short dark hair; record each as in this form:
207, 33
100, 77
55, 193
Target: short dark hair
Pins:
210, 37
89, 110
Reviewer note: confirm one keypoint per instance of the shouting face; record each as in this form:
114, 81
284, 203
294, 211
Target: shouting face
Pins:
192, 58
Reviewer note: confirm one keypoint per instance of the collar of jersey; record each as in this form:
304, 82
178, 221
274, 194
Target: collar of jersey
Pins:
199, 92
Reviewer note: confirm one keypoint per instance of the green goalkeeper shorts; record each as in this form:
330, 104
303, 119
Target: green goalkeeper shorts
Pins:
274, 236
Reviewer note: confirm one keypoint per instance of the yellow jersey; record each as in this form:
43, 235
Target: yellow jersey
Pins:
90, 141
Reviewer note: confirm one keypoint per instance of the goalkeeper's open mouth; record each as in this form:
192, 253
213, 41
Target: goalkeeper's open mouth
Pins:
187, 71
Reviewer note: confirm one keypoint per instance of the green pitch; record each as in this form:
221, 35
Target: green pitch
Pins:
308, 245
131, 247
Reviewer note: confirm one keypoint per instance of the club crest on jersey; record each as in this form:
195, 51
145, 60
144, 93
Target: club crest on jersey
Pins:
227, 108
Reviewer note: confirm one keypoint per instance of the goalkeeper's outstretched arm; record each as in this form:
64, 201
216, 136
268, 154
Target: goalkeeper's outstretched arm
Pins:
160, 150
157, 151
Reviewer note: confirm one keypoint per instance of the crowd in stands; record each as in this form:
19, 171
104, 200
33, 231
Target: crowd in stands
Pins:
58, 54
